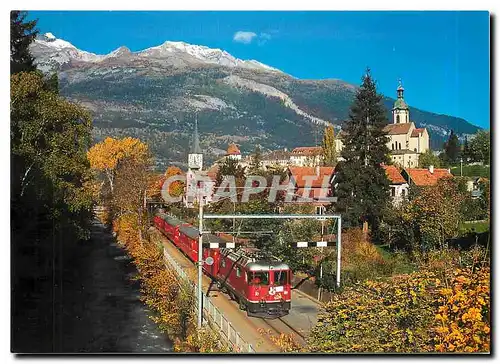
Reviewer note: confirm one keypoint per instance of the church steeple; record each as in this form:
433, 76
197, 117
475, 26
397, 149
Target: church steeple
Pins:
400, 111
400, 90
195, 145
195, 157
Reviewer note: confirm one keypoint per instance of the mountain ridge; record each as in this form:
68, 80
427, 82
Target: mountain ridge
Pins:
161, 93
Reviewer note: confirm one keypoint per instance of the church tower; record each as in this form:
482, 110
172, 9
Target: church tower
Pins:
195, 165
195, 157
400, 111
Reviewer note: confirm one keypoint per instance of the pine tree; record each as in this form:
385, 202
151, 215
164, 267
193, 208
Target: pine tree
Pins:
361, 185
22, 33
452, 149
256, 163
465, 150
329, 150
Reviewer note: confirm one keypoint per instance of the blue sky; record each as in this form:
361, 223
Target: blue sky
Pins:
442, 57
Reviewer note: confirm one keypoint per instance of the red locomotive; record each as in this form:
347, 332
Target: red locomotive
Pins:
262, 286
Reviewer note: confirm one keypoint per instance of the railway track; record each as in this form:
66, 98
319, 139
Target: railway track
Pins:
279, 326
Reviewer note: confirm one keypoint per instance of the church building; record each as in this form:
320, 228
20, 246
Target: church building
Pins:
406, 142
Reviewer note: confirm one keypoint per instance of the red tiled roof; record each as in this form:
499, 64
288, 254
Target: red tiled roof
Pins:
417, 131
299, 174
393, 175
395, 129
423, 177
314, 193
233, 150
307, 150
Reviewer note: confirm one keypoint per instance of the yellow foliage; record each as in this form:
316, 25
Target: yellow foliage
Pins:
106, 154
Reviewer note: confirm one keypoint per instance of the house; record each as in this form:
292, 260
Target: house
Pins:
422, 177
398, 185
306, 156
276, 158
311, 182
233, 152
474, 186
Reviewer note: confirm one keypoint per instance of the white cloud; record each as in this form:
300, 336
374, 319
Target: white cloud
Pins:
244, 37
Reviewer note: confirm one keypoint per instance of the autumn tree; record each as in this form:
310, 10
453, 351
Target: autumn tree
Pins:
329, 149
105, 156
361, 185
435, 212
176, 188
132, 179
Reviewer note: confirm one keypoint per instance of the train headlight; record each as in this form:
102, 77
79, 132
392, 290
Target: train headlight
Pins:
256, 293
286, 292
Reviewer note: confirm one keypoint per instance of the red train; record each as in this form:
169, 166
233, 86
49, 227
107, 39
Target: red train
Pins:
262, 286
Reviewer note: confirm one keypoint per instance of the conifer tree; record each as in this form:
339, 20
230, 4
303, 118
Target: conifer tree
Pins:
22, 33
256, 162
361, 185
329, 151
452, 149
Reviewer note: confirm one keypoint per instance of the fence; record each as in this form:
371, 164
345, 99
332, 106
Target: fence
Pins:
211, 314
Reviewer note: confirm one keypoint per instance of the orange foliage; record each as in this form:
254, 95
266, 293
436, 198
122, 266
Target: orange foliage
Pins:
176, 188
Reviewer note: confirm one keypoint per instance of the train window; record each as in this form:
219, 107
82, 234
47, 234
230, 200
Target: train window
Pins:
258, 278
280, 277
238, 272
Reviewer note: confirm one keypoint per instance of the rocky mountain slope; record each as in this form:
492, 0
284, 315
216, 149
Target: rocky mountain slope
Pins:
156, 94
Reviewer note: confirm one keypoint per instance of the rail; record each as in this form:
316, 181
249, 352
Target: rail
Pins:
212, 315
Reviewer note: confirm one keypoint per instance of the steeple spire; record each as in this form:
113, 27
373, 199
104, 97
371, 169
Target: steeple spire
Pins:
195, 147
400, 89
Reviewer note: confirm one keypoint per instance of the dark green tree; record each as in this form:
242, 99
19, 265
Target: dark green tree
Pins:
361, 185
466, 152
480, 147
452, 149
22, 33
230, 167
256, 163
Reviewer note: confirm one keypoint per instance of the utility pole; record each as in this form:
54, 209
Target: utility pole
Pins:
461, 161
200, 258
339, 248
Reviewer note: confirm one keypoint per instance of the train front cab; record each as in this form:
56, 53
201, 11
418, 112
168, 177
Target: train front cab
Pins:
269, 292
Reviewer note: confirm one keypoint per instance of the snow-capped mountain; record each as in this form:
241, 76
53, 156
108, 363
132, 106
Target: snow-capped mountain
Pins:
52, 53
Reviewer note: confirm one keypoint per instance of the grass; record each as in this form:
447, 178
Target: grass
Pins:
472, 171
479, 227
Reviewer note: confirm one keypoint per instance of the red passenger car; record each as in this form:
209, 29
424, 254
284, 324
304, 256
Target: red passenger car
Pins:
262, 286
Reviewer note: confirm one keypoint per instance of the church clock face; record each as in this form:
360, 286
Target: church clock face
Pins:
195, 161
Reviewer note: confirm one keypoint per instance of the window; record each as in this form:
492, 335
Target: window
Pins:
280, 278
392, 146
319, 210
238, 272
415, 149
403, 192
399, 145
258, 278
397, 119
393, 191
